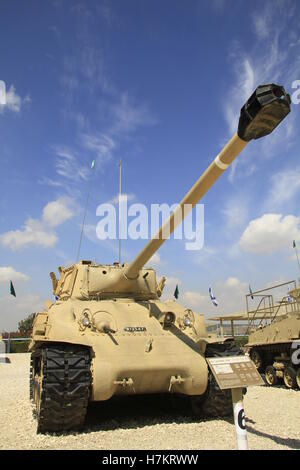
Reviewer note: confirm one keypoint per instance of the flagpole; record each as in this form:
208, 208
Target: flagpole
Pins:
84, 215
120, 193
296, 250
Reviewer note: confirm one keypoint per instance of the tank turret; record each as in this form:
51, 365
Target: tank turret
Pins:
108, 333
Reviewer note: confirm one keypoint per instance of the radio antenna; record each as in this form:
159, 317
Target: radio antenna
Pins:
120, 197
85, 211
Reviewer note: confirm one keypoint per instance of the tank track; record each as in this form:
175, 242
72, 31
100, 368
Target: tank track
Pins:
31, 379
268, 352
271, 348
217, 402
61, 385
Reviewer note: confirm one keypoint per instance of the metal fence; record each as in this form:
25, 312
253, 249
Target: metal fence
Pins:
9, 340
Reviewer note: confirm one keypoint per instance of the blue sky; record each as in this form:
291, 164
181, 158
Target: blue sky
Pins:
158, 84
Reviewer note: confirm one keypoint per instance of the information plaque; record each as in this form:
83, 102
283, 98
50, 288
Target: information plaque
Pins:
234, 372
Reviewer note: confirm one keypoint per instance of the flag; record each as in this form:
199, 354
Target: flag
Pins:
93, 164
176, 293
289, 297
251, 293
12, 289
212, 297
294, 244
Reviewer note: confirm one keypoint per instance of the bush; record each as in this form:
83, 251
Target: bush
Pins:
241, 340
25, 326
19, 346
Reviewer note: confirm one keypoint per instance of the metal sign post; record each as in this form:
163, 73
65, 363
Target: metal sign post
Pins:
235, 373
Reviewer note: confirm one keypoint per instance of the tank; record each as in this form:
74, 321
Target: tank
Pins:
109, 334
274, 339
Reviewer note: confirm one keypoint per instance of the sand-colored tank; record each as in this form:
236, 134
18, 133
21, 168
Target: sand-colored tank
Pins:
108, 333
274, 340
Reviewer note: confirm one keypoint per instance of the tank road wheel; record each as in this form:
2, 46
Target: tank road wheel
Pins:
257, 359
214, 403
61, 385
298, 377
289, 377
271, 377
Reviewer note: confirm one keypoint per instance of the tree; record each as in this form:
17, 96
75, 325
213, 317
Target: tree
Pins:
25, 326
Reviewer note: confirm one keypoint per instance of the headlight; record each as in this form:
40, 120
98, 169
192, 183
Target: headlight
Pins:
86, 321
169, 319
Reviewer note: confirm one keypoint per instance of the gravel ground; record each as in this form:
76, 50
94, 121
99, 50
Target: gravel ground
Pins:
273, 421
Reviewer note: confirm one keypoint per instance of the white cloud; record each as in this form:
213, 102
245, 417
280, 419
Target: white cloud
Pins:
57, 212
271, 63
124, 118
171, 283
230, 294
116, 108
8, 273
115, 199
68, 165
194, 299
285, 186
235, 212
265, 21
90, 232
100, 144
15, 309
206, 254
33, 233
13, 102
240, 92
127, 116
270, 233
78, 117
155, 260
261, 26
50, 182
40, 232
86, 62
233, 282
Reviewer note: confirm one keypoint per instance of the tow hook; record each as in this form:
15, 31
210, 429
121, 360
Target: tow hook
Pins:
125, 383
176, 379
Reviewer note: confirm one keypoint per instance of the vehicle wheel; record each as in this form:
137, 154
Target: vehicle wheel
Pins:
289, 377
298, 377
257, 359
271, 377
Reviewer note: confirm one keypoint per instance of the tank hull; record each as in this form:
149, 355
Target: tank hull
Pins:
141, 356
275, 350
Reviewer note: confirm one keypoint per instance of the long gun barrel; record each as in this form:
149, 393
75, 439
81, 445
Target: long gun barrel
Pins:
261, 114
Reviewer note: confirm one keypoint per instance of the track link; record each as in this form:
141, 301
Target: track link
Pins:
217, 402
31, 379
61, 386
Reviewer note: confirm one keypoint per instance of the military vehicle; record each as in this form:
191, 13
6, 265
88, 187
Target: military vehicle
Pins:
108, 333
274, 339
